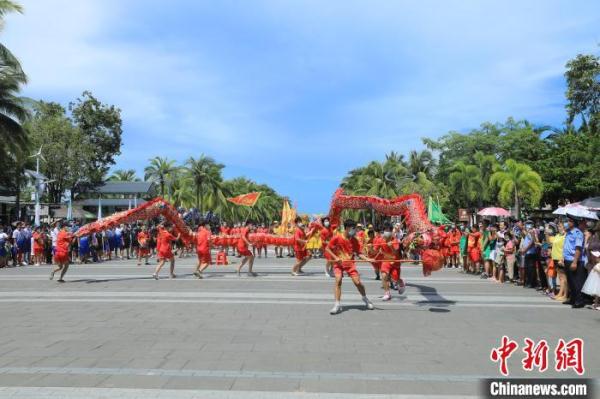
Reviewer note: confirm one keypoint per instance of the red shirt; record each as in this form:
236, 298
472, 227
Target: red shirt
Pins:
225, 230
387, 249
454, 238
299, 235
63, 239
203, 240
326, 234
37, 244
344, 248
163, 242
142, 238
241, 244
473, 239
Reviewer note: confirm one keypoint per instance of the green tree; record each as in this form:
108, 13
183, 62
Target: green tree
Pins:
517, 183
465, 183
64, 148
160, 171
100, 125
485, 164
124, 175
13, 112
206, 177
421, 162
181, 192
583, 90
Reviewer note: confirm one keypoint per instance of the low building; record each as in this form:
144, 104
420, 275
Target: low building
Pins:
116, 196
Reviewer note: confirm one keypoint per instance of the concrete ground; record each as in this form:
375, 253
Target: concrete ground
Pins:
111, 331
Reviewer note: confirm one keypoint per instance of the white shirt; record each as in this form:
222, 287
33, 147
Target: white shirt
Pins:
54, 235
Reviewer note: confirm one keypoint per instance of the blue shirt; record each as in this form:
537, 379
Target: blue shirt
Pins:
527, 240
573, 240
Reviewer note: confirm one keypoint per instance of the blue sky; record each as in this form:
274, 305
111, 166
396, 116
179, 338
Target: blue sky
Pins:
296, 93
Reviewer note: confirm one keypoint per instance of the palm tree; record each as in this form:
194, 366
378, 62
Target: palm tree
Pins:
517, 182
181, 192
206, 176
160, 170
13, 110
124, 175
465, 182
486, 164
421, 162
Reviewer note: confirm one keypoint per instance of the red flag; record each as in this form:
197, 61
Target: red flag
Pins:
245, 199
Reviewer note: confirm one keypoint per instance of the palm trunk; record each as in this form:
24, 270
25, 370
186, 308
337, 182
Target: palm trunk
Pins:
517, 205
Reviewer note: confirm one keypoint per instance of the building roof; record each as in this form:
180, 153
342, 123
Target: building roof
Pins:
78, 213
125, 187
7, 199
121, 202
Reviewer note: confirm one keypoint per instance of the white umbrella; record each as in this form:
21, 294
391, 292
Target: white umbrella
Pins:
582, 212
562, 210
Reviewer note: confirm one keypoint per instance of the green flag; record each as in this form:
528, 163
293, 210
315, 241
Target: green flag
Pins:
434, 211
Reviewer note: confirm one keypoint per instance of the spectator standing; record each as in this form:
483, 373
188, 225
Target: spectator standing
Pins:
575, 270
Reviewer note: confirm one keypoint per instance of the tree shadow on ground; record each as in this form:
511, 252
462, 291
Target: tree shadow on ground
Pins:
441, 304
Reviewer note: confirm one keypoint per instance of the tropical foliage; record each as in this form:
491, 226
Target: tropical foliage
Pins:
517, 182
124, 175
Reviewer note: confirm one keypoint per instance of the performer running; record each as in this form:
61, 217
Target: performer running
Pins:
203, 237
164, 249
302, 256
342, 249
143, 239
387, 251
243, 244
61, 255
326, 235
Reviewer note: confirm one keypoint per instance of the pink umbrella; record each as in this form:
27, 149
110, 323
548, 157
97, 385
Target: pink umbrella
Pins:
494, 212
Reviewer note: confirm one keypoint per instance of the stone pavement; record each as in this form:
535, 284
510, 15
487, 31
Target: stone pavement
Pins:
111, 331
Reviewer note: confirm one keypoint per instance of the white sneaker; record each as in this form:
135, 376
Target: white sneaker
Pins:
401, 287
386, 297
335, 309
369, 305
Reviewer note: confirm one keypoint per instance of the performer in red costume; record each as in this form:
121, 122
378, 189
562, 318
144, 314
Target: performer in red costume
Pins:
387, 248
342, 250
454, 236
243, 244
368, 249
203, 237
327, 232
225, 230
164, 248
61, 255
302, 256
143, 239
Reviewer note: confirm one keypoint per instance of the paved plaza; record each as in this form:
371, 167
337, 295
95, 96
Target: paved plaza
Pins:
111, 331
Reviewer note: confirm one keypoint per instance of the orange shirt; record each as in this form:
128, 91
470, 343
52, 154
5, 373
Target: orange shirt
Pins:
344, 248
203, 239
37, 241
142, 238
63, 239
386, 249
163, 243
299, 235
473, 239
241, 243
